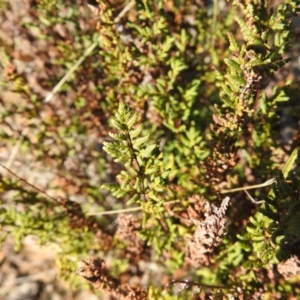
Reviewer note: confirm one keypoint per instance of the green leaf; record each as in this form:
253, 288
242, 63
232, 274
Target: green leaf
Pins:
232, 64
117, 136
233, 44
132, 120
138, 142
136, 132
148, 151
290, 163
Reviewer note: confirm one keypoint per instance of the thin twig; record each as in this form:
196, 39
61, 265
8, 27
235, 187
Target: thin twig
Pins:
125, 210
256, 186
27, 183
15, 149
107, 212
268, 182
252, 199
117, 211
191, 283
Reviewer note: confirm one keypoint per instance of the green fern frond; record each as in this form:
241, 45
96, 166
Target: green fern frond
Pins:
142, 160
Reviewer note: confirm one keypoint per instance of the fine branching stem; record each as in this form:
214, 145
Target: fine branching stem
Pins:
141, 173
125, 210
251, 187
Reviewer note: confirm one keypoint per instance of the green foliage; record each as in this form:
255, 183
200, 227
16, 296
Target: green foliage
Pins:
171, 109
269, 232
144, 181
143, 177
259, 55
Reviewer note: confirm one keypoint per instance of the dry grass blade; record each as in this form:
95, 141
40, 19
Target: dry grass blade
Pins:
87, 52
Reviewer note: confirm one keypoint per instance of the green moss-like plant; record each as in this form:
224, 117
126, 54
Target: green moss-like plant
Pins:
171, 112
